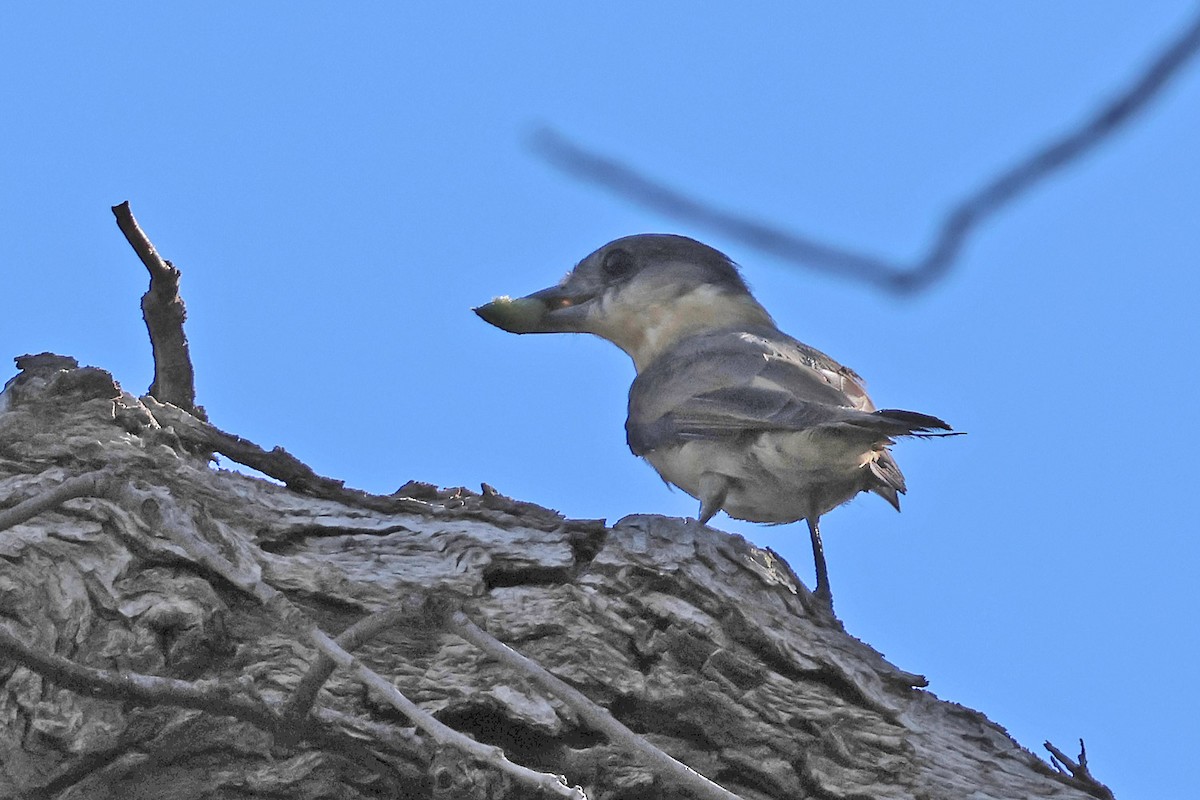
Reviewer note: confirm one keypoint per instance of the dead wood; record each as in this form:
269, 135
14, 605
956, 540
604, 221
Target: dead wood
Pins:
164, 313
143, 664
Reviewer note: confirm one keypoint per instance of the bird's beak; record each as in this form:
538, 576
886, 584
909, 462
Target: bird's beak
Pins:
552, 310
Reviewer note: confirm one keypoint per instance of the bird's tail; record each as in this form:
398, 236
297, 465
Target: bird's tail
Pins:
898, 422
888, 481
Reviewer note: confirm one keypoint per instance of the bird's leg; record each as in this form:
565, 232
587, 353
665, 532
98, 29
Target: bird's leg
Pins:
822, 591
713, 490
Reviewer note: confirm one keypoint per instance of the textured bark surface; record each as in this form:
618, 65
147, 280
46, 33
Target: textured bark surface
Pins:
699, 640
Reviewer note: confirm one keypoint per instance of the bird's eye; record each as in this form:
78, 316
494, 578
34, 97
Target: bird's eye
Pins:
617, 263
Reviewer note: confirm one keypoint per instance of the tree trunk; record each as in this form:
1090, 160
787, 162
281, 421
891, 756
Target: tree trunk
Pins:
703, 643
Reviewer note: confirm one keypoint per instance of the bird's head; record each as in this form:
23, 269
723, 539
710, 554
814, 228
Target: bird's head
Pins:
643, 293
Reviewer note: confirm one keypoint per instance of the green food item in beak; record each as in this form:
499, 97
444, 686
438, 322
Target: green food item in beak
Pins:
522, 315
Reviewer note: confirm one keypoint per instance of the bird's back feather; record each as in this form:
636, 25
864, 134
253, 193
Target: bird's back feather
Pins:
724, 384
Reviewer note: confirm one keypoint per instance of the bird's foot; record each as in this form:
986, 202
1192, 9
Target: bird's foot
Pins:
824, 600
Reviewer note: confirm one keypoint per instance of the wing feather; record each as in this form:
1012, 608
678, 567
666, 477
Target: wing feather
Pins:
730, 383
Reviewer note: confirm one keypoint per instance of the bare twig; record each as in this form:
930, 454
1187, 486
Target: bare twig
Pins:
412, 498
228, 700
595, 716
222, 557
552, 785
334, 652
958, 224
277, 462
132, 687
164, 312
229, 558
90, 484
358, 634
1078, 772
178, 525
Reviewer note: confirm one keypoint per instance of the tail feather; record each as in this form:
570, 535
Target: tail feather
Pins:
913, 423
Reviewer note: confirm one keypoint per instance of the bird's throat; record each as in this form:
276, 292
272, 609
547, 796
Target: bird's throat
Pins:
645, 326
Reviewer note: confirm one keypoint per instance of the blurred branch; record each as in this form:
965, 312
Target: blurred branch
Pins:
623, 180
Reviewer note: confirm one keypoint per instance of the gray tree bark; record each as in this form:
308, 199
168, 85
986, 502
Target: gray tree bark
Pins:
703, 643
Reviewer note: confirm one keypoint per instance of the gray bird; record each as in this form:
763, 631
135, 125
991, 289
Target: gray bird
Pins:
725, 406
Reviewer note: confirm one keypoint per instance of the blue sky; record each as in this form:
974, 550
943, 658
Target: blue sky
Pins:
340, 187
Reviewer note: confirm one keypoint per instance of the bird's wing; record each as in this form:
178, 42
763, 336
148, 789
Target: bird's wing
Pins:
726, 384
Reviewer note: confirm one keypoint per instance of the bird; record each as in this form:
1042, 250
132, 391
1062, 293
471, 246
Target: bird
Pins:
725, 405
